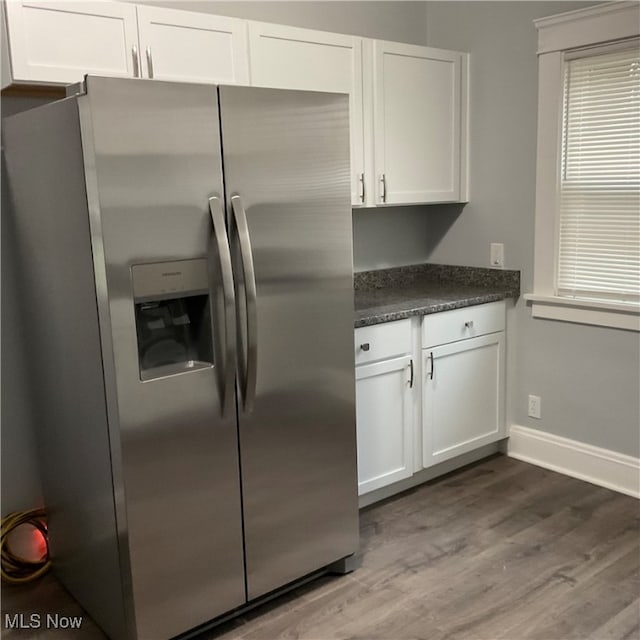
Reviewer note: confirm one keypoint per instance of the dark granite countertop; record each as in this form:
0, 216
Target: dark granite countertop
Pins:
393, 294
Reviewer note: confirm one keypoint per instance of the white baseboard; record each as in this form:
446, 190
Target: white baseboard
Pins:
576, 459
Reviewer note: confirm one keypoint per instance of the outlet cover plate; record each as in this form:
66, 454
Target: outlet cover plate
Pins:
535, 407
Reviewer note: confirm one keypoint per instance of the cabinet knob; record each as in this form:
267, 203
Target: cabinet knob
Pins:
468, 324
365, 346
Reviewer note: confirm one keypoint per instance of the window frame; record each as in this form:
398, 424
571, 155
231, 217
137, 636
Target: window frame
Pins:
560, 37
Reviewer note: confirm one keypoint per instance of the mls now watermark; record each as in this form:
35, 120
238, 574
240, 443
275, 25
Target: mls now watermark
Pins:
41, 621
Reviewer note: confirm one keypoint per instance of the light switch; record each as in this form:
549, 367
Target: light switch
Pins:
497, 255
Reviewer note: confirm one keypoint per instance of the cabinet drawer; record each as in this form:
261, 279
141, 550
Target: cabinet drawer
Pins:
381, 341
449, 326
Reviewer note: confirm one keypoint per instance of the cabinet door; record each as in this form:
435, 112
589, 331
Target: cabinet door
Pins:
194, 47
418, 122
463, 397
59, 42
290, 58
383, 415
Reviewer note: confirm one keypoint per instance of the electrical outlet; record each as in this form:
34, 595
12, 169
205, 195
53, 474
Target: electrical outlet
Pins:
535, 407
497, 255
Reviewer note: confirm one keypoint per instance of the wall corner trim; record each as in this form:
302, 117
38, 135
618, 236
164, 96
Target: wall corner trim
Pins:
598, 466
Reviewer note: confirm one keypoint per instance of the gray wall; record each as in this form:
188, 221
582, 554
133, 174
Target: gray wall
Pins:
588, 377
19, 480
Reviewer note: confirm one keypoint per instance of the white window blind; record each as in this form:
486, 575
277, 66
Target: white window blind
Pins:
599, 232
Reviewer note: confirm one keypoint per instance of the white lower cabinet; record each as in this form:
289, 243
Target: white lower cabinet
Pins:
385, 388
462, 376
384, 419
463, 382
462, 397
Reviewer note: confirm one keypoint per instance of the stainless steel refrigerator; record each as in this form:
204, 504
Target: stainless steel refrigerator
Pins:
186, 261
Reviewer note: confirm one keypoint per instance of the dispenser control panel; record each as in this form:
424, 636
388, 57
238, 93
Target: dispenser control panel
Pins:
161, 279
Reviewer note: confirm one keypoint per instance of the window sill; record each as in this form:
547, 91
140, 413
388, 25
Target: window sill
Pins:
602, 314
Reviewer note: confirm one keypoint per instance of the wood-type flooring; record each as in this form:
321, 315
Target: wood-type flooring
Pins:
500, 549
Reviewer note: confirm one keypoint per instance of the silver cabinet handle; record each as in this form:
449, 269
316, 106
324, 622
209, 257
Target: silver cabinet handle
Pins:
229, 344
149, 62
468, 324
431, 368
411, 370
365, 347
248, 369
362, 191
136, 61
383, 193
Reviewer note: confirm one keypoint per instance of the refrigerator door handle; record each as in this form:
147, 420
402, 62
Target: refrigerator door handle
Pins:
222, 243
249, 369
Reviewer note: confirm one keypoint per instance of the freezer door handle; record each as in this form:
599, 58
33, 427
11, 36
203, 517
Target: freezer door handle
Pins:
229, 343
248, 367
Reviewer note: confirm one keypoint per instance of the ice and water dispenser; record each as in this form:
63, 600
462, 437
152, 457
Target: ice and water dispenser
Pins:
173, 317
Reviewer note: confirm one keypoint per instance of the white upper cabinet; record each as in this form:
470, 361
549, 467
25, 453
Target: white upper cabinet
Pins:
420, 124
291, 58
194, 47
59, 42
408, 107
408, 104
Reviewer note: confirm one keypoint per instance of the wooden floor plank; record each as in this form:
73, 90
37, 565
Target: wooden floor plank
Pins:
625, 625
602, 598
498, 550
